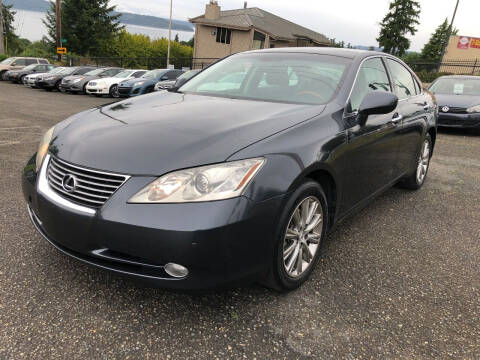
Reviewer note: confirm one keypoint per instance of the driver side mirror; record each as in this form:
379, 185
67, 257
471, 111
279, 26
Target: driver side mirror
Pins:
376, 103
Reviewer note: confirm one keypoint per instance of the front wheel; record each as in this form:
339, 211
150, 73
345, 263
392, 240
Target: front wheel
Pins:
113, 92
417, 179
302, 228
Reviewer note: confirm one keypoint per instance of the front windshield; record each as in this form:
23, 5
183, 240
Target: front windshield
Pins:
152, 74
456, 86
95, 72
123, 74
30, 67
7, 61
68, 71
279, 77
57, 70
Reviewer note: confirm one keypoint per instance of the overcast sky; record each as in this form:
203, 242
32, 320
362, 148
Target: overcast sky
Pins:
353, 21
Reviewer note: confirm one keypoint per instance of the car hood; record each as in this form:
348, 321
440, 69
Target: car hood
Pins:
462, 101
130, 82
161, 132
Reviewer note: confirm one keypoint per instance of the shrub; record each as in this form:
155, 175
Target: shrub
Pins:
3, 57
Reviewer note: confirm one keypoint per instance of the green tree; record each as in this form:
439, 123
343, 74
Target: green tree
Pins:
39, 48
12, 41
88, 25
432, 51
177, 39
399, 22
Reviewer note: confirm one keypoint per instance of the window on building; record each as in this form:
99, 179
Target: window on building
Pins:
258, 40
223, 35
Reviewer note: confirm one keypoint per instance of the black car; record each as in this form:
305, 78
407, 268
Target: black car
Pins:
219, 182
77, 83
17, 76
458, 98
50, 82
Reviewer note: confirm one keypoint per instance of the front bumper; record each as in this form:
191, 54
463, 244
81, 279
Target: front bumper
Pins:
130, 91
97, 90
46, 84
466, 121
220, 242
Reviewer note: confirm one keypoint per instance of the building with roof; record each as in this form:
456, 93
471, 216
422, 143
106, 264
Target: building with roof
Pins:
220, 33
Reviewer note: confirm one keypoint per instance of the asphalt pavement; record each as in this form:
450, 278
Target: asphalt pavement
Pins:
400, 279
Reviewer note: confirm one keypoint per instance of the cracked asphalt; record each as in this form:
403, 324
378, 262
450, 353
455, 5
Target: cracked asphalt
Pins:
400, 279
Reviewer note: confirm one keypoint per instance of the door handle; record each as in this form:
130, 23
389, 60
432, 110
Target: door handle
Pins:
396, 118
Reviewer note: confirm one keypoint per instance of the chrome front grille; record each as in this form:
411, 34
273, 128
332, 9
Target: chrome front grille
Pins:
82, 186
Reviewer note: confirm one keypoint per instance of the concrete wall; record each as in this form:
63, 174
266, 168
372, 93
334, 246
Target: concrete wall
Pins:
455, 53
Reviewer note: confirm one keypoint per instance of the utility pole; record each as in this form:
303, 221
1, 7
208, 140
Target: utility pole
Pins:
169, 34
58, 12
449, 33
2, 41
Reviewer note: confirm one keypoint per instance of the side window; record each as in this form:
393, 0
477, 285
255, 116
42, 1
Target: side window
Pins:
20, 62
418, 89
43, 61
137, 74
110, 72
30, 61
402, 79
372, 76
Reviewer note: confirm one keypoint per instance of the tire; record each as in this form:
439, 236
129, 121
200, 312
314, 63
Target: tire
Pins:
148, 90
113, 92
57, 86
292, 242
416, 180
20, 81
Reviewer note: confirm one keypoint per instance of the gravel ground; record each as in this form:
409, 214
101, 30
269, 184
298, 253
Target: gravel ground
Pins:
401, 279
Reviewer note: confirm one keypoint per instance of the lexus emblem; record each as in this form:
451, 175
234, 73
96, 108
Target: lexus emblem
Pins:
445, 109
69, 183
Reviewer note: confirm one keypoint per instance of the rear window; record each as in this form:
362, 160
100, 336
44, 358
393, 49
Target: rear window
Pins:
43, 61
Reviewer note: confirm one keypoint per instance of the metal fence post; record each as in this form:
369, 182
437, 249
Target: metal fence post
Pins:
474, 67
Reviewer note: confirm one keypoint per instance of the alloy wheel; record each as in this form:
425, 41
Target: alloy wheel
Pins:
114, 91
423, 161
302, 237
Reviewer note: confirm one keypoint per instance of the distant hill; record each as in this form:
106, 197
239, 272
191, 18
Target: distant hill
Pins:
126, 18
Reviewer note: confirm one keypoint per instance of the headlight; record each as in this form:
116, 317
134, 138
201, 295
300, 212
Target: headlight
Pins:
50, 78
43, 147
474, 109
138, 83
77, 80
205, 183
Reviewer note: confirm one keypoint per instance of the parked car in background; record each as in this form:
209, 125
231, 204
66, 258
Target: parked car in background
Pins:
17, 63
203, 187
77, 83
30, 80
109, 85
53, 81
458, 98
175, 84
17, 76
146, 83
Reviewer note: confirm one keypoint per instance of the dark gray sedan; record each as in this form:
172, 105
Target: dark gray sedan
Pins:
458, 98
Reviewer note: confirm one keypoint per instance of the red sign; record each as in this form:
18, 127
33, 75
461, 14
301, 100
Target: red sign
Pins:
463, 42
475, 43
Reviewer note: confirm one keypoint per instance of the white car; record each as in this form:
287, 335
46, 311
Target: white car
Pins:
29, 80
109, 86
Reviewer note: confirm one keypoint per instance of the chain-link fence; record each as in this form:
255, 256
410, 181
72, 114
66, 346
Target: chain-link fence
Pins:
140, 62
458, 67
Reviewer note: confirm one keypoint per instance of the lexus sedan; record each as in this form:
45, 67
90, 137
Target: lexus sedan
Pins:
458, 98
78, 83
203, 187
109, 85
146, 83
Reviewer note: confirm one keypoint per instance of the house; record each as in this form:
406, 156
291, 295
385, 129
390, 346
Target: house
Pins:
220, 33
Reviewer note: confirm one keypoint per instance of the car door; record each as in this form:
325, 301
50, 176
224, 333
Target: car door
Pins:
413, 108
368, 164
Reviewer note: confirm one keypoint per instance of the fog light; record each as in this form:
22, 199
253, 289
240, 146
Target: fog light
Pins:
176, 270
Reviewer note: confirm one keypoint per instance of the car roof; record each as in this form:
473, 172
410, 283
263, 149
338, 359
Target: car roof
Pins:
347, 53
